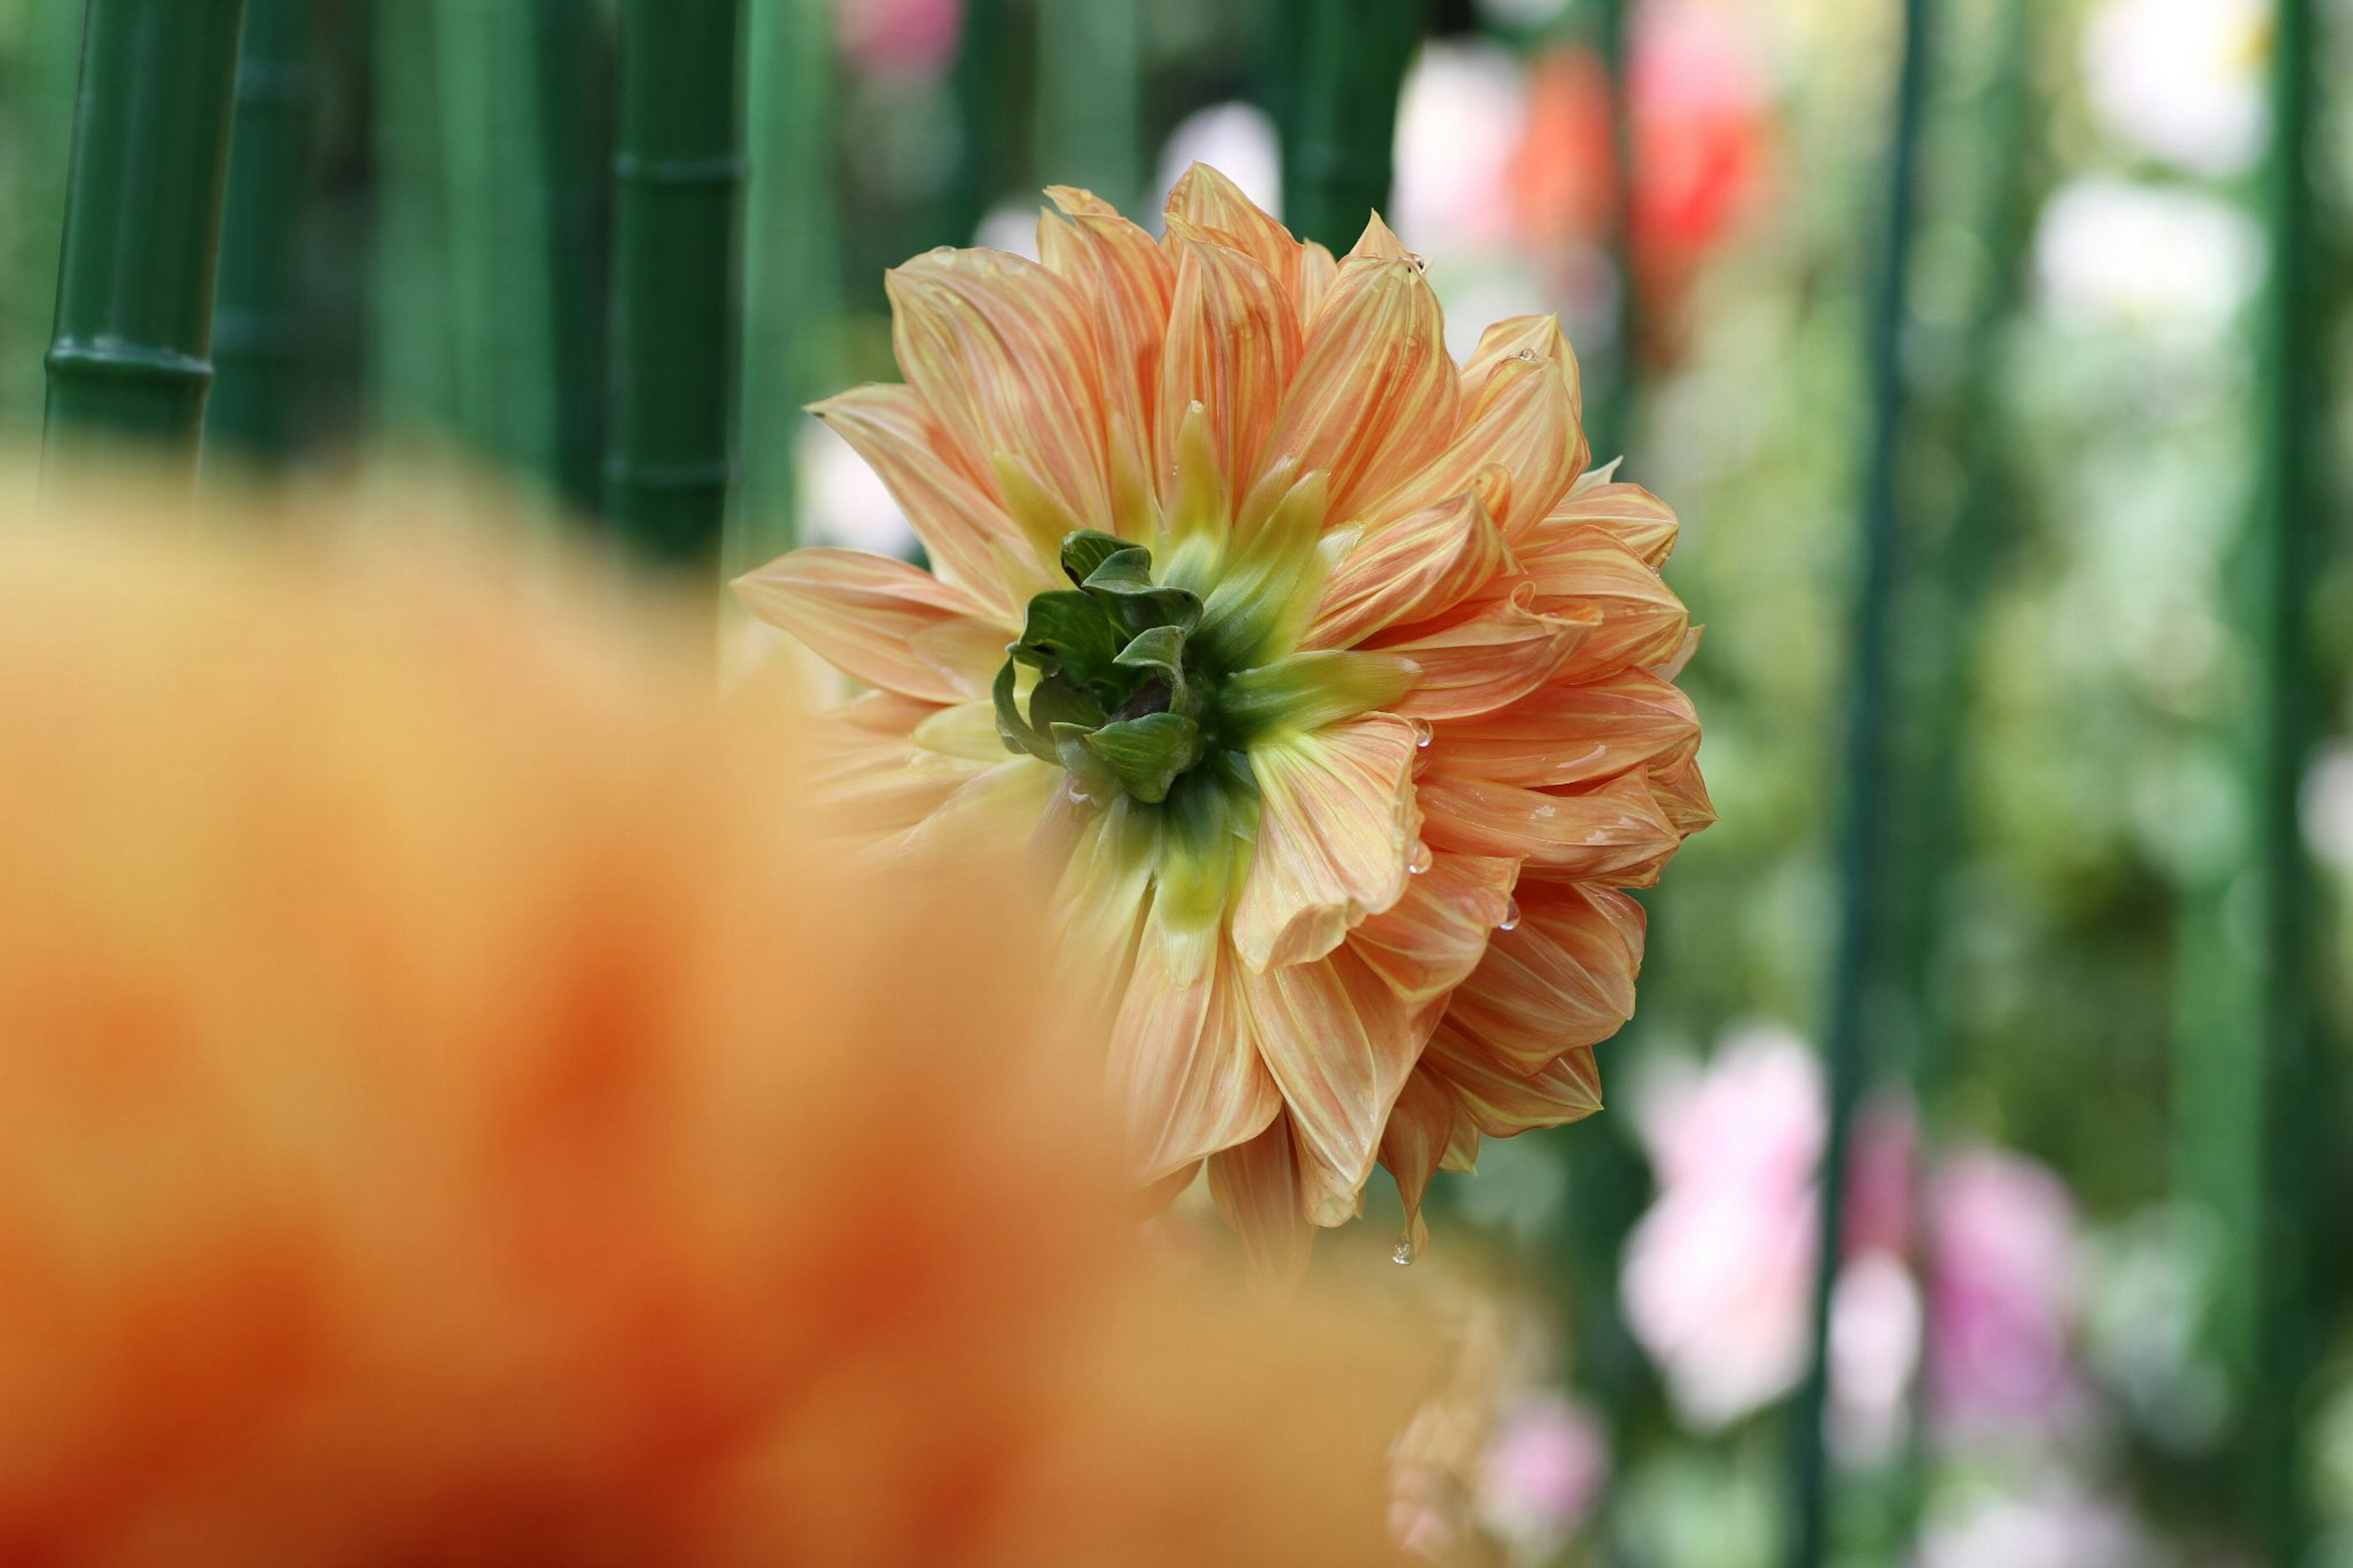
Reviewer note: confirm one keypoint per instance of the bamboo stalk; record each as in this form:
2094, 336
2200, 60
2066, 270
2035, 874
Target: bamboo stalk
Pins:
1089, 58
1339, 152
678, 170
1610, 421
985, 144
572, 60
412, 370
257, 316
36, 114
129, 359
1861, 959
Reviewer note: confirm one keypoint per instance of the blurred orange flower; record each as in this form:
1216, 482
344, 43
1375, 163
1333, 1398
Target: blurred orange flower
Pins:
452, 1116
1339, 693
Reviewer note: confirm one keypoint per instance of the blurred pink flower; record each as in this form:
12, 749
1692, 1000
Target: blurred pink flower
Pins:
2003, 1292
900, 37
1541, 1474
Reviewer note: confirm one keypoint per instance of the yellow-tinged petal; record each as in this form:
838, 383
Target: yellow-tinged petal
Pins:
1634, 517
1379, 243
1126, 283
998, 806
962, 525
967, 731
1317, 268
1256, 1186
1233, 346
861, 760
1336, 820
1430, 940
1642, 622
1672, 668
1377, 395
1615, 833
868, 615
1682, 793
1204, 204
1491, 656
1414, 1144
1341, 1047
1564, 977
1519, 338
1004, 353
1183, 1069
1522, 421
1566, 733
1502, 1103
1415, 567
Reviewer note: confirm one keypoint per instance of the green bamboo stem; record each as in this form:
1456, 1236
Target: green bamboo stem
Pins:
412, 368
36, 114
792, 272
678, 170
129, 359
986, 142
571, 47
1089, 58
1339, 150
2285, 547
257, 317
1610, 420
1860, 958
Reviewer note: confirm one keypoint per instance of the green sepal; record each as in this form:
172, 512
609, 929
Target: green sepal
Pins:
1014, 729
1124, 581
1069, 631
1147, 753
1095, 777
1060, 701
1160, 652
1089, 548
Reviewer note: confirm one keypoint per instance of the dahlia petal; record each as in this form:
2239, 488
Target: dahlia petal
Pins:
1523, 420
967, 731
862, 614
999, 804
1003, 352
1379, 243
862, 764
1682, 794
1335, 818
1205, 205
1421, 564
1631, 515
1518, 338
1430, 940
1317, 268
1256, 1187
1616, 832
1563, 978
1184, 1067
1375, 397
957, 519
1233, 346
1340, 1048
1487, 658
1102, 899
1642, 622
1414, 1144
1126, 283
1502, 1103
1672, 666
1574, 735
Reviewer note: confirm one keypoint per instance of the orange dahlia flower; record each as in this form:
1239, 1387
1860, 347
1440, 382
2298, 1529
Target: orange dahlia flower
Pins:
1333, 689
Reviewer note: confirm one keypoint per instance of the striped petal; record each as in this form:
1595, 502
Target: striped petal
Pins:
863, 764
1615, 833
1682, 794
880, 620
1336, 819
1570, 734
1126, 283
1631, 515
1376, 397
964, 530
1003, 352
1502, 1103
1430, 940
1642, 622
1561, 979
1256, 1187
1418, 566
1521, 338
1205, 205
1233, 347
1184, 1067
1414, 1144
1340, 1048
1522, 418
1487, 658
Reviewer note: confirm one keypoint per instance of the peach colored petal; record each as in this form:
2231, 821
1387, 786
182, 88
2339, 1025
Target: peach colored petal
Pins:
1379, 243
864, 614
1233, 347
1414, 1144
1256, 1186
1631, 515
1004, 353
1432, 938
1642, 622
1503, 1103
1672, 666
1317, 268
1565, 733
1561, 979
861, 761
1516, 338
1126, 283
1376, 397
1419, 565
1205, 205
1486, 657
1336, 819
1341, 1047
999, 804
957, 518
1183, 1069
1616, 832
1523, 420
1682, 793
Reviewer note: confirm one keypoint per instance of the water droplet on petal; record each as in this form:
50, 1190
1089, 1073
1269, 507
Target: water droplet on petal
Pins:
1511, 920
1403, 1255
1422, 733
1418, 858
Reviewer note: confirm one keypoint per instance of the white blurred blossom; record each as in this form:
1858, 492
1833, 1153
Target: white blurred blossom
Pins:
2182, 79
2118, 253
841, 500
1237, 139
2058, 1526
1009, 226
1463, 115
1874, 1350
2329, 806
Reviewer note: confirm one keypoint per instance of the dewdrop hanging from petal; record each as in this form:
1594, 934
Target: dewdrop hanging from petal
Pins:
1336, 690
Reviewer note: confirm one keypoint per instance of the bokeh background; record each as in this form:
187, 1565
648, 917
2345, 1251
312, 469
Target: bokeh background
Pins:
2089, 1300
